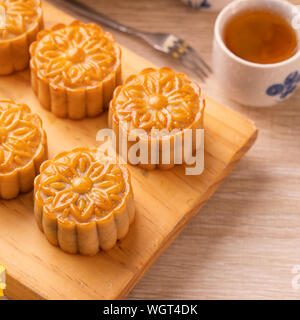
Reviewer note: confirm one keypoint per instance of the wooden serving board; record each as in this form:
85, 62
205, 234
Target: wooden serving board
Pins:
165, 200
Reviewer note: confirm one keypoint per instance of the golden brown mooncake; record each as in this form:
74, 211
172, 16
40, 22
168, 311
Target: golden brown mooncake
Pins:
83, 202
23, 147
75, 69
23, 20
156, 99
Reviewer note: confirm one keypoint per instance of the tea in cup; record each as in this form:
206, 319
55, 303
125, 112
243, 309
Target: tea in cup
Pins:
256, 54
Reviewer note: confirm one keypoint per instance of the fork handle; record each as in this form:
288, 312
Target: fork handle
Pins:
86, 11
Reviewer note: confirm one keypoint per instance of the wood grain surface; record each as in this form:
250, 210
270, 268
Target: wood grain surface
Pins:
247, 238
165, 201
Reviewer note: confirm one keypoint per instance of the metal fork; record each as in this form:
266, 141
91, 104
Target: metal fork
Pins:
164, 42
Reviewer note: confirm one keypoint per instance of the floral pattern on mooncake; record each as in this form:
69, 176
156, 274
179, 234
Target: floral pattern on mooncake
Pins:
23, 147
79, 64
83, 197
156, 99
23, 19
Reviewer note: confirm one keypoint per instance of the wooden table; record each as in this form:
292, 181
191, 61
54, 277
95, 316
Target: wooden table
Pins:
246, 240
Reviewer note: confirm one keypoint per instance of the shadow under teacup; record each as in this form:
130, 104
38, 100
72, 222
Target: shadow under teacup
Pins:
250, 83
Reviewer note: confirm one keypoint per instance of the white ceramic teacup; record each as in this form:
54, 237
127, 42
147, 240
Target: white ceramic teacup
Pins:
249, 83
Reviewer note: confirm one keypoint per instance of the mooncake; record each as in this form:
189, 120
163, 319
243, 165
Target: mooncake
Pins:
23, 147
75, 69
156, 100
22, 20
83, 202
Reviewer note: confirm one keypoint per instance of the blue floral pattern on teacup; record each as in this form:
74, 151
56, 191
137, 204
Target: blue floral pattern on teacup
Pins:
287, 87
198, 4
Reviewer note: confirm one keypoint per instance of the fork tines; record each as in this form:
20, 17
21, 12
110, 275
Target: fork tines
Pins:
188, 56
